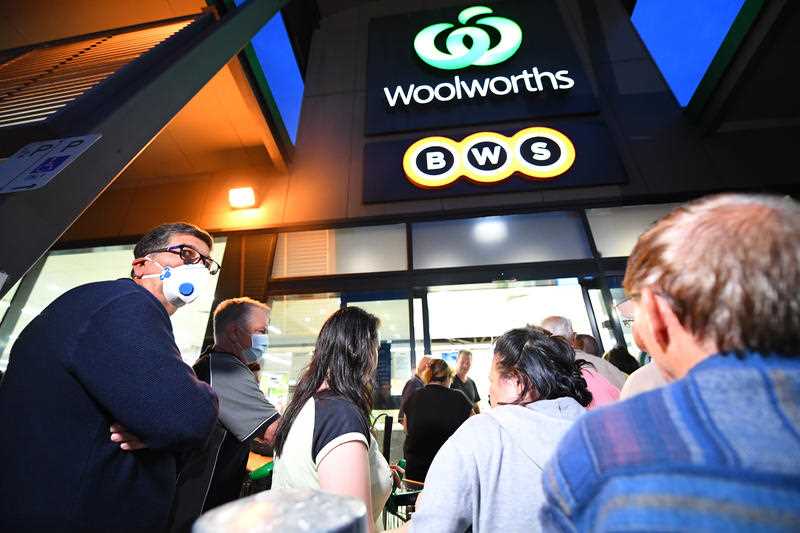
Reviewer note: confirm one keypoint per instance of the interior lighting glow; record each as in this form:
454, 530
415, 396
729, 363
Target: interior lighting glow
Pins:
242, 197
490, 231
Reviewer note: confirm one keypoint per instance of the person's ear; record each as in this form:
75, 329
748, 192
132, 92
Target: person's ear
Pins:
670, 319
232, 332
137, 266
519, 385
651, 305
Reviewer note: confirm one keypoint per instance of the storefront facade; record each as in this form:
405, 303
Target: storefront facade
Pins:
459, 187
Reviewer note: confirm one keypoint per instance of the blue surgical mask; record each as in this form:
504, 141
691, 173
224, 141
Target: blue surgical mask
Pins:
259, 342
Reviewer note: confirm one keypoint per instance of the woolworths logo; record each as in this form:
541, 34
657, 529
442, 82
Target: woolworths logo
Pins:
479, 52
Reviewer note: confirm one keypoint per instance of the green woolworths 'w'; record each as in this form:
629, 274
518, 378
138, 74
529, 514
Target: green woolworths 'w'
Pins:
478, 53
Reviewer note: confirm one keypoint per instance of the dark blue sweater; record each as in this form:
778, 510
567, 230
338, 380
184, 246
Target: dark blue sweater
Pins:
100, 353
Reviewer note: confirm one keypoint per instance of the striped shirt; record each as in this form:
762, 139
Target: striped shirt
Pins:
717, 450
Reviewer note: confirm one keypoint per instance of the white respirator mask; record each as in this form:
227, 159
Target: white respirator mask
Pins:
182, 284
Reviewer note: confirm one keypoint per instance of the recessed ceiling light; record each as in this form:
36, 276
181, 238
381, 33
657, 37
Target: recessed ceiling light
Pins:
242, 197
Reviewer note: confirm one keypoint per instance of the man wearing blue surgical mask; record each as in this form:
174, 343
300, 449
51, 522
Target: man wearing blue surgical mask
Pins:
101, 356
214, 476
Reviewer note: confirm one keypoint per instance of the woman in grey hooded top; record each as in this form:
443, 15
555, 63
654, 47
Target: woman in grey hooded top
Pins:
488, 475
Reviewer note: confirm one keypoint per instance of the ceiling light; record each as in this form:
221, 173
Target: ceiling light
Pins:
242, 197
490, 230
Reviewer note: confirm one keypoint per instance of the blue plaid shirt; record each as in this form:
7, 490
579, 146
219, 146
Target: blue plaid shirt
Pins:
717, 450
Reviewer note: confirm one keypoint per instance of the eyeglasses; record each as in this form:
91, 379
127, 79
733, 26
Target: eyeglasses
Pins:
627, 307
190, 256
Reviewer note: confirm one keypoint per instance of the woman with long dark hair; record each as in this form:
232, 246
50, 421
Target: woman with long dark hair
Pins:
324, 440
488, 475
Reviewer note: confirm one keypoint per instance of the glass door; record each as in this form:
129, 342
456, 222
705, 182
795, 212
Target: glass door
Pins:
294, 325
396, 352
471, 317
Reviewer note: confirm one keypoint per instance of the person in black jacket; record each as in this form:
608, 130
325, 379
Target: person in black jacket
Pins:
433, 414
104, 354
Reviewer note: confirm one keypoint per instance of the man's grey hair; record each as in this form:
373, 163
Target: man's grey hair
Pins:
159, 236
559, 325
729, 266
235, 310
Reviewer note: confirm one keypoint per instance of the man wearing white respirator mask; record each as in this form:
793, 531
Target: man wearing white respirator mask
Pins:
101, 356
214, 475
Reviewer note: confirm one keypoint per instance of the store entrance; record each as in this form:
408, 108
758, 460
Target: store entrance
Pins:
470, 317
439, 320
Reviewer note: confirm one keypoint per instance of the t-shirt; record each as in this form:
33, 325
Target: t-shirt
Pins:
643, 379
603, 392
101, 353
433, 414
244, 413
325, 421
467, 387
614, 375
411, 386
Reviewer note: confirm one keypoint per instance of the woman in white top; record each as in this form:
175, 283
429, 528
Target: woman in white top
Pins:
324, 440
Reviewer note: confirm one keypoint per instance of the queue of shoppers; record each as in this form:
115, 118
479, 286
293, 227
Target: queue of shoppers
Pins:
97, 401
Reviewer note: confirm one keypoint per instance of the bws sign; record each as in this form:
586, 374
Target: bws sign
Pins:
472, 65
575, 153
487, 157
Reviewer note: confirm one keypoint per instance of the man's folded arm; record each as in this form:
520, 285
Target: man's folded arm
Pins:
127, 360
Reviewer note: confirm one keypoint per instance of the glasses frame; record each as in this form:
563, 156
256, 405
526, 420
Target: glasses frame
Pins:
624, 310
212, 266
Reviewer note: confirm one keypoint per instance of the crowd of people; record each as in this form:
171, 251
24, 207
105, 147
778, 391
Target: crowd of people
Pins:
705, 436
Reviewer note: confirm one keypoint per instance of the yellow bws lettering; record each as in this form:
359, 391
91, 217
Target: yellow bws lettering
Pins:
488, 157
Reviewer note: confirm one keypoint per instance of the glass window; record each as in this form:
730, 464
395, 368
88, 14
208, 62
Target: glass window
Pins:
495, 240
394, 361
419, 331
295, 322
603, 320
340, 251
616, 229
66, 269
471, 317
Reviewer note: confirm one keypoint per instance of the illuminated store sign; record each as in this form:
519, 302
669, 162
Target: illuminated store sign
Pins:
499, 86
487, 157
554, 155
479, 52
473, 65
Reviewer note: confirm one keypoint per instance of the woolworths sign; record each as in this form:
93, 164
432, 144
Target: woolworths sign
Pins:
473, 64
458, 89
480, 50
